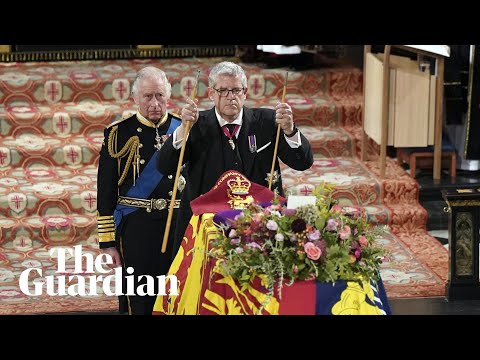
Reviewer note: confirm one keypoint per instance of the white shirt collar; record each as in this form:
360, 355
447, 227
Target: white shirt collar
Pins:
237, 121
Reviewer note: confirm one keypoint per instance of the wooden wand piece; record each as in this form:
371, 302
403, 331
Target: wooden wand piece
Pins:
177, 175
270, 179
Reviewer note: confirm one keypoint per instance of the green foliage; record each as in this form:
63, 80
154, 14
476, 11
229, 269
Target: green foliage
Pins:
325, 242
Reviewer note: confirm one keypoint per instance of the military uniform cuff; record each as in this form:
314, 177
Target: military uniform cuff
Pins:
106, 229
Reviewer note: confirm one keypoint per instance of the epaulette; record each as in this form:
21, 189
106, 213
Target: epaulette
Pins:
117, 122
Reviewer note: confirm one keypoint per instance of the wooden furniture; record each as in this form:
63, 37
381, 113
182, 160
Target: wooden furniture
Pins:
424, 159
463, 208
403, 105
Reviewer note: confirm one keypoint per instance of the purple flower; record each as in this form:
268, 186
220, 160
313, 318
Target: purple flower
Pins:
235, 241
272, 225
313, 236
238, 250
332, 225
355, 245
254, 245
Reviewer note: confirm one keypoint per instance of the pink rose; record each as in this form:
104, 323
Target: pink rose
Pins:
312, 251
363, 241
345, 232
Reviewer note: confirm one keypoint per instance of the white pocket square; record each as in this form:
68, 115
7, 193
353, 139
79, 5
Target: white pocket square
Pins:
264, 147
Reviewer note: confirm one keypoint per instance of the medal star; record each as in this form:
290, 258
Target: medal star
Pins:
275, 177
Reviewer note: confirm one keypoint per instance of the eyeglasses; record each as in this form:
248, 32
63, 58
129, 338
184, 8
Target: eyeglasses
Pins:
224, 92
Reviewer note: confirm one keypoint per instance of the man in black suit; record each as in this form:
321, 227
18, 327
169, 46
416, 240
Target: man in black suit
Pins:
248, 146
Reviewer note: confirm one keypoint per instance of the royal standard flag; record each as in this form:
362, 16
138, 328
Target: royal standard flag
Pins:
204, 290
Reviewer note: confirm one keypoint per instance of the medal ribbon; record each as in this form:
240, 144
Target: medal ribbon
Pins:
227, 132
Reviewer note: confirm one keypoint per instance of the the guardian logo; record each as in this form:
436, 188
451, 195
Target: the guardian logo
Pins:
61, 285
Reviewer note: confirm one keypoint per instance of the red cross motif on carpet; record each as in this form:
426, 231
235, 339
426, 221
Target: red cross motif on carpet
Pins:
22, 242
256, 86
72, 154
120, 89
62, 123
306, 190
186, 86
89, 200
4, 157
17, 202
53, 91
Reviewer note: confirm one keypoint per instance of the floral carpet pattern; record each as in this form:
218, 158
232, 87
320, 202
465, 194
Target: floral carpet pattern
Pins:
52, 117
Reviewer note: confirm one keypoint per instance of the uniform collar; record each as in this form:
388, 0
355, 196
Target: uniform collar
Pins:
148, 123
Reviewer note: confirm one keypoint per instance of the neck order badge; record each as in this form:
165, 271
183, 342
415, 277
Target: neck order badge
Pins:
229, 133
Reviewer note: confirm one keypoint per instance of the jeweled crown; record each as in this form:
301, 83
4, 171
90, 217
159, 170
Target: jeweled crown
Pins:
239, 186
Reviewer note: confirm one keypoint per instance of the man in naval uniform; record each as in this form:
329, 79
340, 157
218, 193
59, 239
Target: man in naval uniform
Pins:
133, 196
231, 136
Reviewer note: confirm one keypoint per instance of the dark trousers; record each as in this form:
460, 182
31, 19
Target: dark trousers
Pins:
140, 243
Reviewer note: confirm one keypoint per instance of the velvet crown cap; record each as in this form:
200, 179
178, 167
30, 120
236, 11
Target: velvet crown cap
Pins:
231, 191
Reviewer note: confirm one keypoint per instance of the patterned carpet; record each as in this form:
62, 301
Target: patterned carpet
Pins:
52, 117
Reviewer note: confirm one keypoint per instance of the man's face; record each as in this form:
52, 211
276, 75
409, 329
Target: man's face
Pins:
228, 106
151, 99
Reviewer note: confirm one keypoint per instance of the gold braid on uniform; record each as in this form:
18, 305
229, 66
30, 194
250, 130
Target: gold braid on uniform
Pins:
106, 228
130, 148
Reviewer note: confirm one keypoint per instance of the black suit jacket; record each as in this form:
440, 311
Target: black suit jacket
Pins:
203, 157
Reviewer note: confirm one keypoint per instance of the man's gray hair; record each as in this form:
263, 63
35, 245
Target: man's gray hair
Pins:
226, 68
151, 72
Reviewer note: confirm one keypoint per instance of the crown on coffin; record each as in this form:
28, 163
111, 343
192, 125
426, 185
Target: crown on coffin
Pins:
239, 186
